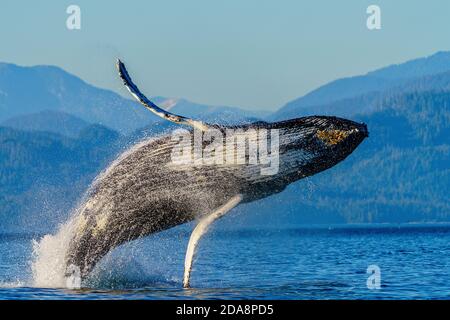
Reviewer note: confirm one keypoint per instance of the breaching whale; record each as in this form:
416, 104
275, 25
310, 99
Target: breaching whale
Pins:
144, 191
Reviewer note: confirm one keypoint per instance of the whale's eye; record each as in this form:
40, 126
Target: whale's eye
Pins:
332, 137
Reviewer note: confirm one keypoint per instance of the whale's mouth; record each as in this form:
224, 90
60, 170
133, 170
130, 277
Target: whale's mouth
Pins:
363, 130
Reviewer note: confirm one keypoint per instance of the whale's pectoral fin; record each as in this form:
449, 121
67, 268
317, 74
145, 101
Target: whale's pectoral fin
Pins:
139, 96
200, 230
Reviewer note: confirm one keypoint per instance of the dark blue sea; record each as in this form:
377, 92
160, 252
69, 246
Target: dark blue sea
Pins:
310, 262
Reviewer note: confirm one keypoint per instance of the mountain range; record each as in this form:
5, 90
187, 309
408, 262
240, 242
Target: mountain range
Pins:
338, 97
57, 132
30, 91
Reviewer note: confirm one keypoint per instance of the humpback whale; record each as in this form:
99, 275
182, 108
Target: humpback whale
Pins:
144, 192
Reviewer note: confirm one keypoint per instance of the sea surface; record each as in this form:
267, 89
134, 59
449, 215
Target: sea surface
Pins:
311, 262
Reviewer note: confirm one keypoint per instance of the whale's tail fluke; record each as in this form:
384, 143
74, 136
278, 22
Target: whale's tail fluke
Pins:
139, 96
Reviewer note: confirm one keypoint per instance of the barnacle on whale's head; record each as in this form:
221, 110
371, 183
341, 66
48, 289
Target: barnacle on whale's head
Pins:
332, 137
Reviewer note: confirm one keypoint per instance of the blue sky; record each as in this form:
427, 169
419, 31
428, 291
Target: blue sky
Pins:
254, 54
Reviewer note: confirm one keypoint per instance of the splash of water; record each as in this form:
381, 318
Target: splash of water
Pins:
49, 263
12, 284
49, 253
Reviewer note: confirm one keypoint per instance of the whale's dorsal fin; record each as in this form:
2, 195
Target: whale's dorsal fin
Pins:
200, 230
139, 96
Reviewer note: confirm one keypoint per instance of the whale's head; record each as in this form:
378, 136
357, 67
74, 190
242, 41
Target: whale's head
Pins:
312, 144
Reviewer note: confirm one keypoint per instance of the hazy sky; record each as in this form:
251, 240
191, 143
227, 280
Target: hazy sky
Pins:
249, 53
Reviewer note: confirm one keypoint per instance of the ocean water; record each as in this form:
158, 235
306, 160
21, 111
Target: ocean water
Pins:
292, 263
